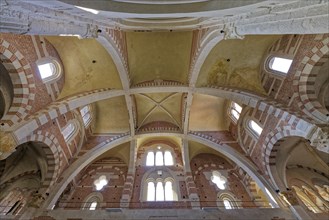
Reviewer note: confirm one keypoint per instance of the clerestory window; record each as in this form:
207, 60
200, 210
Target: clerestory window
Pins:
49, 69
219, 180
100, 182
235, 111
279, 64
159, 158
69, 131
85, 113
255, 128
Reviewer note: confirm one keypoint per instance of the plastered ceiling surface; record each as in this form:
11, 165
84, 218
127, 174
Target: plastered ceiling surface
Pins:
159, 55
144, 140
158, 107
122, 152
208, 113
111, 116
81, 73
236, 63
197, 148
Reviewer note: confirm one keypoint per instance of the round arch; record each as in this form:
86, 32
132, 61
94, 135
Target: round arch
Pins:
101, 148
22, 79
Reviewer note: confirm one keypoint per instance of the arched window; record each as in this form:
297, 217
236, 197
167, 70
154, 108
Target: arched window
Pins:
160, 191
279, 64
227, 204
85, 113
160, 158
219, 180
169, 191
255, 128
68, 131
93, 205
228, 201
159, 196
150, 159
168, 159
150, 191
100, 182
49, 69
235, 111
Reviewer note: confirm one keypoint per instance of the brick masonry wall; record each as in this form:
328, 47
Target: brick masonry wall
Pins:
23, 61
296, 88
202, 165
113, 168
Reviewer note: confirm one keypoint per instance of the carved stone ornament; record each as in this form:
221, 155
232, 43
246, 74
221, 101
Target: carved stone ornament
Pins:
289, 197
231, 33
320, 139
7, 145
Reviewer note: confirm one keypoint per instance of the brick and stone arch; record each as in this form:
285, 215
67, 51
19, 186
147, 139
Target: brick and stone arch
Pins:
53, 155
23, 82
313, 81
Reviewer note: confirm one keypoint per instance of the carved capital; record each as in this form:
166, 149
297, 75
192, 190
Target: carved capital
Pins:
289, 197
7, 145
320, 139
231, 33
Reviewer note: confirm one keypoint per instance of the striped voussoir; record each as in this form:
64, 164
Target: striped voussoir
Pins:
23, 82
305, 79
53, 155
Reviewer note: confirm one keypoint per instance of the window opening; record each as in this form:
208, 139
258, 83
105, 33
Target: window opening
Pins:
159, 192
47, 70
150, 159
168, 159
169, 196
280, 64
227, 204
159, 158
85, 113
150, 191
255, 127
235, 110
68, 131
100, 182
218, 179
93, 206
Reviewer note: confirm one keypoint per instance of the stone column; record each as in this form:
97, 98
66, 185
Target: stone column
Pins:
129, 184
190, 184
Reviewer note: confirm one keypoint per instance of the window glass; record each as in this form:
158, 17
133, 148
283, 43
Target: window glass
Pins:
100, 182
227, 204
168, 159
150, 159
86, 118
280, 64
235, 110
255, 127
47, 70
93, 206
159, 192
168, 191
235, 114
150, 191
237, 107
68, 131
159, 158
219, 180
